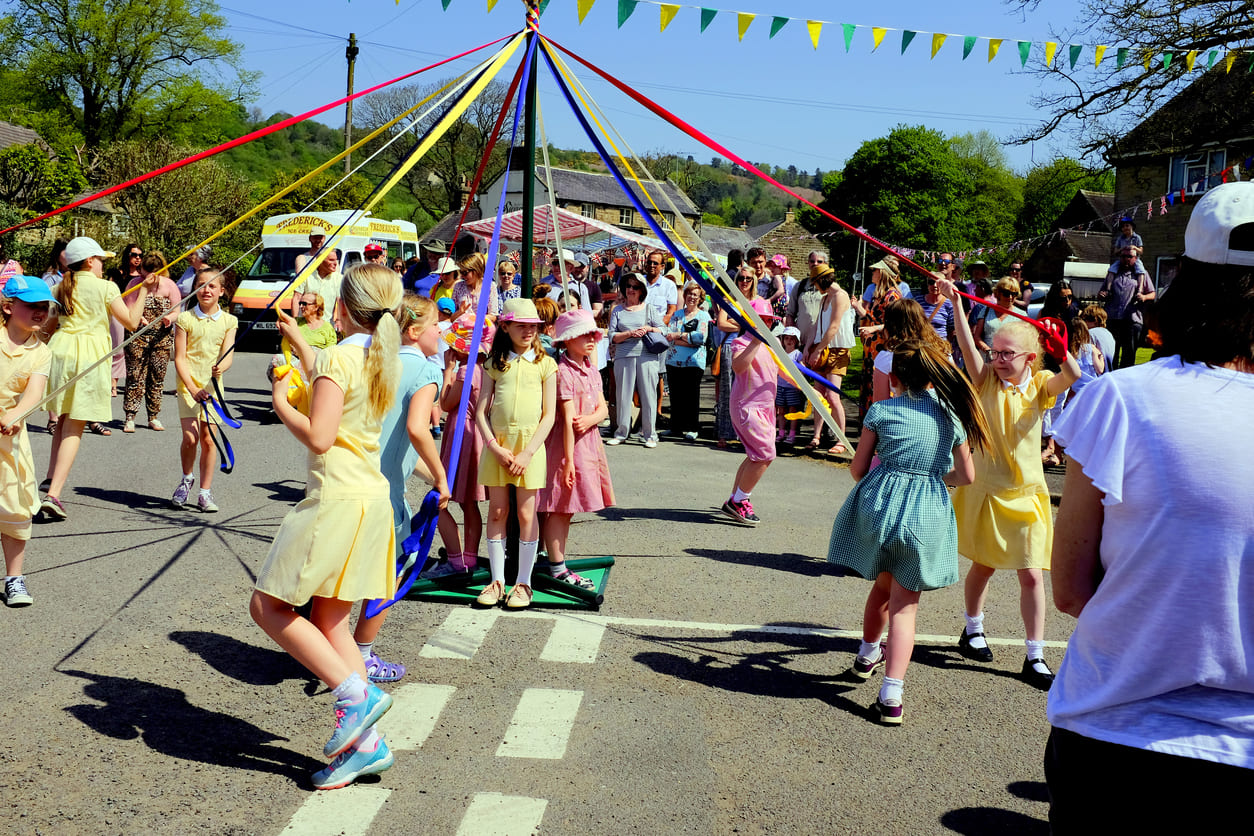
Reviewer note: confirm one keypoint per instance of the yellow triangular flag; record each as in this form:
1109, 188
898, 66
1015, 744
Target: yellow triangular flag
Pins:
816, 29
1050, 48
1148, 57
1098, 54
994, 44
877, 35
1229, 60
938, 40
743, 19
667, 11
584, 7
491, 4
1189, 59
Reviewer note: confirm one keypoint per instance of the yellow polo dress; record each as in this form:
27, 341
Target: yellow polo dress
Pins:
19, 499
206, 338
514, 415
1004, 519
81, 339
338, 542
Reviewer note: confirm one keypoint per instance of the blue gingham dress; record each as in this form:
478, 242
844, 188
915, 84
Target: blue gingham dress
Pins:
899, 519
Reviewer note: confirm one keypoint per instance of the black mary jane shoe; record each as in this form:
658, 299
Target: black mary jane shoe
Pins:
975, 654
1032, 676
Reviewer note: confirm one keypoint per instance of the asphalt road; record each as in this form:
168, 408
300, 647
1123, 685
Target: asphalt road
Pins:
705, 696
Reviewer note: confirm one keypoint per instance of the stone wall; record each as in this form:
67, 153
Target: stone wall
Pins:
793, 240
1135, 184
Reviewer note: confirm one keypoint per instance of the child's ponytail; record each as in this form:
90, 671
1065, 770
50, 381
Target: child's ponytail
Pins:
370, 293
382, 369
918, 364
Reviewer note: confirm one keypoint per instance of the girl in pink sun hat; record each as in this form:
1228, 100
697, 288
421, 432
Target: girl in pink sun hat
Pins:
753, 414
578, 472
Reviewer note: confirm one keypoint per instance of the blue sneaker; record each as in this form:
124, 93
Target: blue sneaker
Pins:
351, 719
352, 765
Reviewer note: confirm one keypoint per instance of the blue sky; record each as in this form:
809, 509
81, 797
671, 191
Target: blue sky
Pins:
771, 100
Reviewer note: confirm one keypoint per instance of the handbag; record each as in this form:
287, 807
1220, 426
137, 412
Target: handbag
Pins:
655, 342
825, 362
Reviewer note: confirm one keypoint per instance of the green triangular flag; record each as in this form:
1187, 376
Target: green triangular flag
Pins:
778, 23
1025, 49
544, 4
446, 2
849, 29
1120, 57
707, 17
1167, 56
625, 8
906, 37
1210, 58
968, 44
1075, 54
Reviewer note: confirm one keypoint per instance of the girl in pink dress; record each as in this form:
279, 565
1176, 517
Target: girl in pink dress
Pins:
464, 487
752, 414
578, 473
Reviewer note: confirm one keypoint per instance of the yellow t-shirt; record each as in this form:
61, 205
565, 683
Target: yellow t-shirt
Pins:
19, 498
205, 343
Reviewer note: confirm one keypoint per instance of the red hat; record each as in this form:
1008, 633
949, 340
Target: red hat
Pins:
373, 248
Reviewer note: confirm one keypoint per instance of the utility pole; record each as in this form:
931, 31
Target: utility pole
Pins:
350, 52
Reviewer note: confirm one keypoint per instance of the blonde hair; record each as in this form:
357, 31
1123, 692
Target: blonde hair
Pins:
473, 263
370, 294
1026, 338
691, 284
1007, 284
319, 302
416, 311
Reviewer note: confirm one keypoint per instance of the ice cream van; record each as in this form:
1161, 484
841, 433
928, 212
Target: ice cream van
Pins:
285, 237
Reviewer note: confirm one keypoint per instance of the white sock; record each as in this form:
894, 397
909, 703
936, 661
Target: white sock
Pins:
188, 478
365, 649
870, 651
351, 690
975, 624
205, 492
738, 495
496, 559
526, 560
368, 741
556, 569
1036, 649
891, 690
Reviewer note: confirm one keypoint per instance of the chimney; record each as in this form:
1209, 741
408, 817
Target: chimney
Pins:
789, 215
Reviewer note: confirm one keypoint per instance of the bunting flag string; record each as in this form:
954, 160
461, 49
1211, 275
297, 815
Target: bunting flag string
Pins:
667, 13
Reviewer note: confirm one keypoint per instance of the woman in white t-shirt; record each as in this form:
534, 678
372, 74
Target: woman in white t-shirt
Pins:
1153, 706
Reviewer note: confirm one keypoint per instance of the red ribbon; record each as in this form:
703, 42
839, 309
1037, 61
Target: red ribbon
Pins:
257, 134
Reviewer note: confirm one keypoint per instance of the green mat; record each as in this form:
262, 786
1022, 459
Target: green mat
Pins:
546, 591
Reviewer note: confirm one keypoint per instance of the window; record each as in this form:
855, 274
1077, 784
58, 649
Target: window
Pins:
588, 210
626, 217
669, 219
1196, 172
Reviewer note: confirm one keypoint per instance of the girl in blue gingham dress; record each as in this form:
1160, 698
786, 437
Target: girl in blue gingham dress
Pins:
897, 526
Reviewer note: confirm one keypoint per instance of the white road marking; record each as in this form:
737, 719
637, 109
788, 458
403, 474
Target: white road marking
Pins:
461, 634
346, 812
777, 629
541, 724
414, 714
574, 639
493, 814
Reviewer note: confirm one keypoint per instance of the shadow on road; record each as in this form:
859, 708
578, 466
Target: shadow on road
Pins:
947, 658
241, 661
289, 490
978, 821
129, 499
678, 515
167, 723
799, 564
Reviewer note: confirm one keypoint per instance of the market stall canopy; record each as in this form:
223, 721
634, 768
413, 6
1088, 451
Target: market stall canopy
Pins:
577, 232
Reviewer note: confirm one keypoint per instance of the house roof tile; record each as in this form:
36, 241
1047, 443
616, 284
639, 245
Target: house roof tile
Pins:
1213, 110
724, 239
591, 187
11, 134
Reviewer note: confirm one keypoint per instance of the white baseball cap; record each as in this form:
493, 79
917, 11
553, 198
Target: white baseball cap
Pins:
83, 248
1221, 228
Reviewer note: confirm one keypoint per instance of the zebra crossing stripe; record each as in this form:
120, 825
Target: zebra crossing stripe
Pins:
414, 714
461, 634
541, 725
573, 639
346, 812
494, 814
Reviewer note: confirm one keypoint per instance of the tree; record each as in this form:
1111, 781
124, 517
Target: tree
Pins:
1097, 105
438, 181
1048, 189
352, 193
119, 69
31, 179
992, 194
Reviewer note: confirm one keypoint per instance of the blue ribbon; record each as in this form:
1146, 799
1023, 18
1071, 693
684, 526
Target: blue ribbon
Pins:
422, 526
225, 451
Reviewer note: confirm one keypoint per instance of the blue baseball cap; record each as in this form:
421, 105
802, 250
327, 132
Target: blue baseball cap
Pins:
28, 289
446, 305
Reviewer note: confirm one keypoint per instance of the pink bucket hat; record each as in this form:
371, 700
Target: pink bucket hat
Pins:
520, 310
763, 308
575, 323
781, 261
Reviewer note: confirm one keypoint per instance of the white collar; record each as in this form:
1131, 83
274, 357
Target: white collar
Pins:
202, 315
360, 339
529, 355
1022, 387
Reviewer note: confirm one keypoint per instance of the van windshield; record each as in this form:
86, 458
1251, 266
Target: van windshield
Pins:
279, 261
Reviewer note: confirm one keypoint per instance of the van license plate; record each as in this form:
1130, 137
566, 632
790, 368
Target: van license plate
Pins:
267, 326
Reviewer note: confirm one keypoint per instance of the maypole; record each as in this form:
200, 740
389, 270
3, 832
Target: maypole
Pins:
529, 152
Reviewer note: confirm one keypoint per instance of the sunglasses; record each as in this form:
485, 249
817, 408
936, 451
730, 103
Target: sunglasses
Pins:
1016, 269
946, 261
307, 304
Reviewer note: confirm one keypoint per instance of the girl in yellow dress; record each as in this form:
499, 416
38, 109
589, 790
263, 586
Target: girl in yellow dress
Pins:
85, 302
1004, 519
336, 546
24, 365
201, 336
515, 413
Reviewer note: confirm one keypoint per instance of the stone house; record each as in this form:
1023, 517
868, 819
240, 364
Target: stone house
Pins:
790, 238
1181, 149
